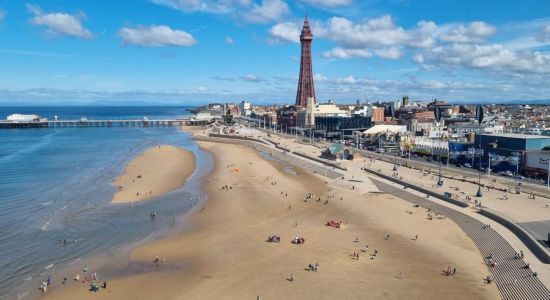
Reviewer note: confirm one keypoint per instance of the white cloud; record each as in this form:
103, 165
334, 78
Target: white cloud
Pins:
285, 32
229, 41
59, 23
267, 11
390, 53
346, 53
202, 89
155, 36
207, 6
328, 3
544, 34
252, 78
318, 78
475, 32
487, 56
379, 36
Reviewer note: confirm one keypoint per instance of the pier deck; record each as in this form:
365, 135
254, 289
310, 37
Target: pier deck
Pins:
102, 123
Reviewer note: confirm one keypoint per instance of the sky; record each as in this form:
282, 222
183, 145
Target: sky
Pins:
181, 52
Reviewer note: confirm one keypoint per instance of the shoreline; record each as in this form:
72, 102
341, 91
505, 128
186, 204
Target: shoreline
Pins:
155, 172
223, 252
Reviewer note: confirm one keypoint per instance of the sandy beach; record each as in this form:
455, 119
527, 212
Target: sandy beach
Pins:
156, 171
225, 255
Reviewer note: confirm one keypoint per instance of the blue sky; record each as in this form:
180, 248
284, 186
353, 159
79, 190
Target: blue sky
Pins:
190, 51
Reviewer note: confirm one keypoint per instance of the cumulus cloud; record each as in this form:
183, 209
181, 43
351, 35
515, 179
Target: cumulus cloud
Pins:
544, 34
155, 36
346, 53
207, 6
59, 23
486, 56
267, 11
252, 78
319, 78
328, 3
285, 32
378, 36
475, 32
229, 41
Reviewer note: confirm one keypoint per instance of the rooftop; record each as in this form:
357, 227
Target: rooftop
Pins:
518, 136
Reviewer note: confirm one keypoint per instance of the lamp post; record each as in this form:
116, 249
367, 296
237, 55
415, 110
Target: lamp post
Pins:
437, 112
395, 161
479, 116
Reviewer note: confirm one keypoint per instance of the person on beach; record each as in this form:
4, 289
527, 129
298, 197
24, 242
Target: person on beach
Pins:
291, 277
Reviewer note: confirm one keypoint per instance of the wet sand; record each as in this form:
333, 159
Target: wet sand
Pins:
156, 171
225, 255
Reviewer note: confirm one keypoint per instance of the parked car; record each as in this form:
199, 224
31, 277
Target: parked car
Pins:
467, 165
519, 177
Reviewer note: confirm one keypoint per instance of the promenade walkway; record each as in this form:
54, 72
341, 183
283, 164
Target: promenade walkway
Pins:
513, 279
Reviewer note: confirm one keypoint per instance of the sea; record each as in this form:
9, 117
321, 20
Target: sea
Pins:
56, 188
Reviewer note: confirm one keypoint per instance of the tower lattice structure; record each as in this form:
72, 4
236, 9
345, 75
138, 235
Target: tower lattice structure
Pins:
306, 87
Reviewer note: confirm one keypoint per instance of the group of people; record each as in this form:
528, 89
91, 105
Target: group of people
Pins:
298, 240
314, 267
450, 272
274, 239
334, 224
93, 279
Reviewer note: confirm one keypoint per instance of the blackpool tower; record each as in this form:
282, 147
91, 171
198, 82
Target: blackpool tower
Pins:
306, 87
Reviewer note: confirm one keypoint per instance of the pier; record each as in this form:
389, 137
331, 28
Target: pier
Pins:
103, 123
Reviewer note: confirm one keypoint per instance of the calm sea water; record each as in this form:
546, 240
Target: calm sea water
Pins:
55, 185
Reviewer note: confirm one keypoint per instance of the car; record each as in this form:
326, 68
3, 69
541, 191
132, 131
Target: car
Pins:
518, 177
467, 165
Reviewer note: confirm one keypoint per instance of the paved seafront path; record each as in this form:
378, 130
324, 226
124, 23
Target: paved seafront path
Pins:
514, 281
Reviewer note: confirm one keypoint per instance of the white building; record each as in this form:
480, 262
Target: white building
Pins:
204, 116
19, 118
329, 110
246, 108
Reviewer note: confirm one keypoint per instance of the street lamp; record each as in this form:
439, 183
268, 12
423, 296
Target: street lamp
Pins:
437, 112
395, 161
479, 116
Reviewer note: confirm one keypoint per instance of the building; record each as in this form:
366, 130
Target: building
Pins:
19, 118
381, 129
245, 108
537, 163
405, 101
287, 116
510, 145
338, 124
306, 87
338, 151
